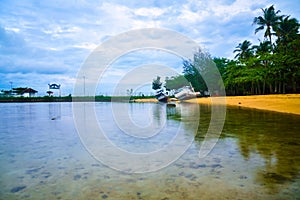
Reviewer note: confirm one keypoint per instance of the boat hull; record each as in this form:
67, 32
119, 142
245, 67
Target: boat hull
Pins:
162, 95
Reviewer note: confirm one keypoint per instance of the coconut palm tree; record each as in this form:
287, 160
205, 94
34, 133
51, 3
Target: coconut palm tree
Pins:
269, 20
244, 50
286, 51
287, 29
263, 47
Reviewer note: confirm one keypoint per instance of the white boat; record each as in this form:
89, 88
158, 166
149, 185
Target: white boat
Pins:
186, 92
162, 95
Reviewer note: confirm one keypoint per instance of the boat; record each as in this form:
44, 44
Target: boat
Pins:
186, 92
162, 95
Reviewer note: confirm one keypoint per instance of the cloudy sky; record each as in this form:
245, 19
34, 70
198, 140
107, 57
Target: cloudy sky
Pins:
48, 41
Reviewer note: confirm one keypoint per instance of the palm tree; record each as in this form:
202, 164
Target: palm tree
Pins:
287, 29
269, 20
287, 58
263, 55
244, 50
263, 47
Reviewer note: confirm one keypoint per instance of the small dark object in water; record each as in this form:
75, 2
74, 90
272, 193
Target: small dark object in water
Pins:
53, 118
35, 170
216, 165
104, 196
17, 189
196, 166
276, 177
46, 174
243, 177
240, 103
201, 166
76, 177
138, 193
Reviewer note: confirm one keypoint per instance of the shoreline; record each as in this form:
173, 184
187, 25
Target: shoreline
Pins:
284, 103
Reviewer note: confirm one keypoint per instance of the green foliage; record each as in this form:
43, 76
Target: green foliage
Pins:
262, 68
195, 70
266, 68
244, 50
268, 20
175, 82
156, 84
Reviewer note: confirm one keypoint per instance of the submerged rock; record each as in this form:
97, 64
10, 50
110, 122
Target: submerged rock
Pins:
35, 170
17, 189
77, 177
216, 166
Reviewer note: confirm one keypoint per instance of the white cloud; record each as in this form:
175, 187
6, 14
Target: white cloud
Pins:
40, 37
57, 30
149, 12
89, 46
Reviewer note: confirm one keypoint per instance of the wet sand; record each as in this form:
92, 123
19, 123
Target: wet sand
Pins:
286, 103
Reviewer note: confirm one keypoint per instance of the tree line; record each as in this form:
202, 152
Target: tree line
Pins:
271, 66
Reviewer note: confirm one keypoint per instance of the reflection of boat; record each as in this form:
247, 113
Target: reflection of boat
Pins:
162, 95
186, 92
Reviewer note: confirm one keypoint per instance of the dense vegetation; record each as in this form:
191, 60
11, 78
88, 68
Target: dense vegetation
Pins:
267, 67
272, 66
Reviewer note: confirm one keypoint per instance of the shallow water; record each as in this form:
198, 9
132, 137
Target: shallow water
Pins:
42, 156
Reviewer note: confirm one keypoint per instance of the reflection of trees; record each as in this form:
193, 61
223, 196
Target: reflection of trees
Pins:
173, 113
54, 111
275, 137
270, 140
204, 123
185, 113
159, 113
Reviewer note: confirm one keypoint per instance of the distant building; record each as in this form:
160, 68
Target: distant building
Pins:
56, 87
28, 92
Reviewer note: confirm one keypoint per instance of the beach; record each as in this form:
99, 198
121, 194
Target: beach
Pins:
286, 103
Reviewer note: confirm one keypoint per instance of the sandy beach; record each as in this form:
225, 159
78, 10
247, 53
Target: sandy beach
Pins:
286, 103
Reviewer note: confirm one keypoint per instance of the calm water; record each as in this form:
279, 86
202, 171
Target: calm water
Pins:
42, 156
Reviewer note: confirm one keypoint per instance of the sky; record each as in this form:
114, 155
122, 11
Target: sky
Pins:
48, 41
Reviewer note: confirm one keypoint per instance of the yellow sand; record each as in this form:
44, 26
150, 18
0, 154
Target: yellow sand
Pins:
287, 103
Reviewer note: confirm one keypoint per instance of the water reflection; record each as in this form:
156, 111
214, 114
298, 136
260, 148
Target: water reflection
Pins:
54, 111
256, 157
118, 139
273, 136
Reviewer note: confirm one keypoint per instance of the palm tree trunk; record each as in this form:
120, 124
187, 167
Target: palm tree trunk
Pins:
280, 87
257, 88
271, 42
264, 87
294, 83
